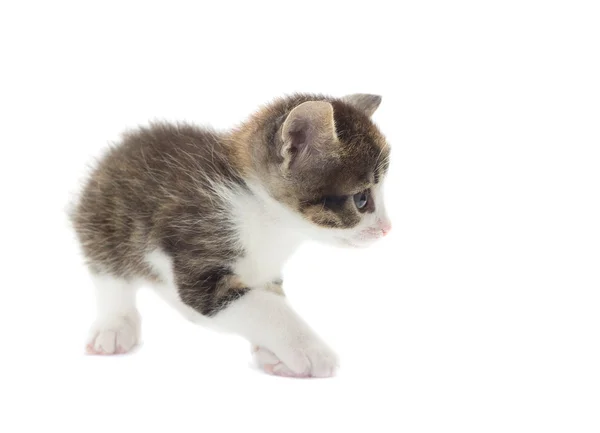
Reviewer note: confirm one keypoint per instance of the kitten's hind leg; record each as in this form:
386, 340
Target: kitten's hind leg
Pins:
117, 326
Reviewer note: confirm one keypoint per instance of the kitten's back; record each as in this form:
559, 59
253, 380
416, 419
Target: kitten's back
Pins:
145, 187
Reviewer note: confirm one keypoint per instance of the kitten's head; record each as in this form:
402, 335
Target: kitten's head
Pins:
329, 163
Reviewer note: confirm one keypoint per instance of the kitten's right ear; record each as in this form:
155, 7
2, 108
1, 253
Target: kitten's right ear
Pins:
364, 102
307, 131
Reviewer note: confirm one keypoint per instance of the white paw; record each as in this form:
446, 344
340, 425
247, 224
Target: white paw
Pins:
309, 360
114, 335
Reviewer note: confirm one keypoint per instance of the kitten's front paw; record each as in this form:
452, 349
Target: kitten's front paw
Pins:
116, 335
309, 361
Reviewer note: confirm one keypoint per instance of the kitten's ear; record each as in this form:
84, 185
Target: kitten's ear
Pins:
364, 102
308, 130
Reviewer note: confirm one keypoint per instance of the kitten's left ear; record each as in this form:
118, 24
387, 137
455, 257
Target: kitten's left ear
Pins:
364, 102
308, 131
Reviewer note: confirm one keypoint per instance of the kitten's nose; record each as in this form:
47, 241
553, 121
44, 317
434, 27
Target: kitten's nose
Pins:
385, 226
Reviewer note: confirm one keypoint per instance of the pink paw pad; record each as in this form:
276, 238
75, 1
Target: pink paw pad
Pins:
273, 365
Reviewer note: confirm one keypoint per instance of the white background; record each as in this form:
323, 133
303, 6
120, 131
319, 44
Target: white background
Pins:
480, 313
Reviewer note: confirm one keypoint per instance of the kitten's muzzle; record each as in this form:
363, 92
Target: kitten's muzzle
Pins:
385, 226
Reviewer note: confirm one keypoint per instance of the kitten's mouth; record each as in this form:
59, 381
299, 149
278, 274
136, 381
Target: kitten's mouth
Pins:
365, 238
355, 244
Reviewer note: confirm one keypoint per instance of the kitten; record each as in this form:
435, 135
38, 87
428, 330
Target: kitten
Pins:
210, 218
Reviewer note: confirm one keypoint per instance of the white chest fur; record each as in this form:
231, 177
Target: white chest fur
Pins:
268, 233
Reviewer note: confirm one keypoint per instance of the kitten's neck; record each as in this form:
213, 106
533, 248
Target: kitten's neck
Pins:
238, 142
275, 214
250, 145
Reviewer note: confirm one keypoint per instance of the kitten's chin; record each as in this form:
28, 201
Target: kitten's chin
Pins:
353, 243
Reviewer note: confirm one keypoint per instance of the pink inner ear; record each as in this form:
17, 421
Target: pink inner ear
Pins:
300, 136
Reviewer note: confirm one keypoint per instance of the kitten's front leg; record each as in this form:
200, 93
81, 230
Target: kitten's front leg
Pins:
287, 346
284, 344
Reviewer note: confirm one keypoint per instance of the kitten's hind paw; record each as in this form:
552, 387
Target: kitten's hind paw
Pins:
114, 336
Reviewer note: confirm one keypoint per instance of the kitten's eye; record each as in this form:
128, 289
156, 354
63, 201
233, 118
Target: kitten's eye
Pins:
361, 199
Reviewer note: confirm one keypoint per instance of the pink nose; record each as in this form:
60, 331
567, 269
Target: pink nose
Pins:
386, 227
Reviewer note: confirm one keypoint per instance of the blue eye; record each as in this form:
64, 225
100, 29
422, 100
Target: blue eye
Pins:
361, 199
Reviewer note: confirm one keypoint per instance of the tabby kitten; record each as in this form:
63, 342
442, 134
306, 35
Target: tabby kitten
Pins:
210, 218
